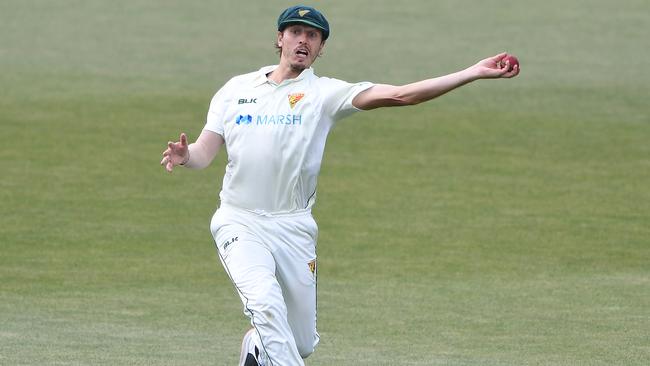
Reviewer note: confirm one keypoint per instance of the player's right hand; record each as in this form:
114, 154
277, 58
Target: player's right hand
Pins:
491, 68
177, 153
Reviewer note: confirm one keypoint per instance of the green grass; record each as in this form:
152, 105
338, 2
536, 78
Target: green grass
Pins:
506, 223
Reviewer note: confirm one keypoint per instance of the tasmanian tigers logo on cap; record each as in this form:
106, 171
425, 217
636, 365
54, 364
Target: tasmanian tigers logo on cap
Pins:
303, 12
295, 98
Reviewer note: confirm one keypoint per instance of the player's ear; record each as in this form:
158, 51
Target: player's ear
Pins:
279, 43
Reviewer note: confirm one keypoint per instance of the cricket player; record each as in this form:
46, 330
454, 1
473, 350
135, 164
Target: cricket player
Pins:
274, 123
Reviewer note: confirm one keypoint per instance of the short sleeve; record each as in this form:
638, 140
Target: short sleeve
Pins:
339, 95
217, 111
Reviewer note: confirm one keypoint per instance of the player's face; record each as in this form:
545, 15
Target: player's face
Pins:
300, 44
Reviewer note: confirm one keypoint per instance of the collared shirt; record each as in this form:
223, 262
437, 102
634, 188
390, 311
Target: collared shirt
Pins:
275, 136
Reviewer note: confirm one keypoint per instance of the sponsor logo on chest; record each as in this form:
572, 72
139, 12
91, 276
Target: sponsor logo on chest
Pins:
277, 119
269, 120
295, 98
247, 101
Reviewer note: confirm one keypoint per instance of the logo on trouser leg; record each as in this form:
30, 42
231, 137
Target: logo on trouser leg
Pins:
231, 241
312, 266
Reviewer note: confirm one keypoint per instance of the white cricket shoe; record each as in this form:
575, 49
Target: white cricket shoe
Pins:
250, 354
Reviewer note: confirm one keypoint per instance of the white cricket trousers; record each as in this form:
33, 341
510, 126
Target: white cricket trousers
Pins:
272, 263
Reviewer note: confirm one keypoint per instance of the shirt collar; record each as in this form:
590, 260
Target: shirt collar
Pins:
261, 78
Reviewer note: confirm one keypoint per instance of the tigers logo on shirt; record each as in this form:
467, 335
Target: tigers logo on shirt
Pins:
295, 98
312, 266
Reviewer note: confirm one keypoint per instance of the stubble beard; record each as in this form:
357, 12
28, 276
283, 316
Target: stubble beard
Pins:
297, 68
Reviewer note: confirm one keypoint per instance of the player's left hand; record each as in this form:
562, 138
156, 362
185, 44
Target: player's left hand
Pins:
494, 67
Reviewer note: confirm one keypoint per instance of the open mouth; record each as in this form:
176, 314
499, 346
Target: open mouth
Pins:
302, 52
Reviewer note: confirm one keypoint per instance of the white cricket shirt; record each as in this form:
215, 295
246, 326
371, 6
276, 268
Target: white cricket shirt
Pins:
275, 136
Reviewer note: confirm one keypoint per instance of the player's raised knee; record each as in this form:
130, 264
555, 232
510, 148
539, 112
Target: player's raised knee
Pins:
306, 343
305, 350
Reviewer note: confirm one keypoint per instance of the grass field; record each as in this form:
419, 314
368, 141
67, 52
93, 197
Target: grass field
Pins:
507, 223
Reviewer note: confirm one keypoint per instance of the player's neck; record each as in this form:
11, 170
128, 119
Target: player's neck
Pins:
284, 72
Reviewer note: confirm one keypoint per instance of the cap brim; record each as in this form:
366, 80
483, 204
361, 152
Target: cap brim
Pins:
285, 23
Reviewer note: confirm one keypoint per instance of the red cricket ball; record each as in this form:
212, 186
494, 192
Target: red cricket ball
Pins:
510, 61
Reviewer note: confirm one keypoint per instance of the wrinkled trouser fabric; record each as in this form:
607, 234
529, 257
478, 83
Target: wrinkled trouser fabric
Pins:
271, 262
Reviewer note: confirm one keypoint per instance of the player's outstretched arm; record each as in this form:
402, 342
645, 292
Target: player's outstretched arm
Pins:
197, 155
382, 95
